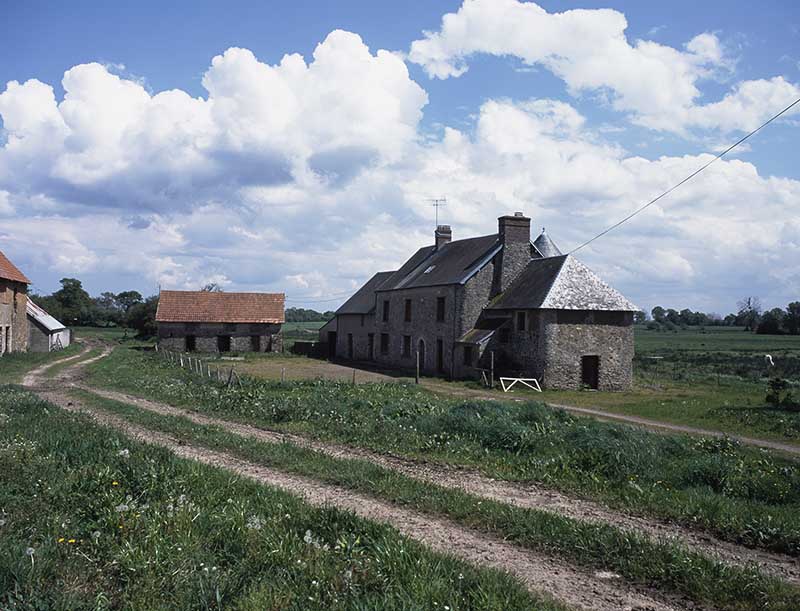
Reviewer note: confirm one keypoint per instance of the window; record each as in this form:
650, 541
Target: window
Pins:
440, 303
468, 355
407, 345
521, 318
429, 269
384, 343
350, 345
407, 316
385, 310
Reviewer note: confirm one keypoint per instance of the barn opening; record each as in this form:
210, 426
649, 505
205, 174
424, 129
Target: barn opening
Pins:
224, 343
191, 343
255, 343
590, 371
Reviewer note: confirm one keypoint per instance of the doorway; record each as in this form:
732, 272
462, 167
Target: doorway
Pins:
371, 346
439, 356
350, 346
590, 371
255, 343
331, 345
421, 352
191, 343
224, 343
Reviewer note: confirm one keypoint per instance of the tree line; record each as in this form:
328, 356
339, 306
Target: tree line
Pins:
749, 314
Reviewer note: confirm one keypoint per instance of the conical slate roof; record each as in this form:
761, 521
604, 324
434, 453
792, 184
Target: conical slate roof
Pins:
546, 246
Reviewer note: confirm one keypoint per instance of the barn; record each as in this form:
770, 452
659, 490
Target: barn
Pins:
13, 302
45, 333
204, 321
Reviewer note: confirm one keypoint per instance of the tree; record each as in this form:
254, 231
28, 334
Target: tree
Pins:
212, 287
76, 305
749, 312
639, 318
771, 322
127, 299
142, 317
658, 313
792, 319
106, 310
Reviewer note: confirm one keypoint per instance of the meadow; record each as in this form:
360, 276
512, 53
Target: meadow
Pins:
739, 494
90, 519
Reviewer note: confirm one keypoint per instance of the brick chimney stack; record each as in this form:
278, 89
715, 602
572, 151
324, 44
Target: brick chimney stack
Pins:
515, 236
443, 235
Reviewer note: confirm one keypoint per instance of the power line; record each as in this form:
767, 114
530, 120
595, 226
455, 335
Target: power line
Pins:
687, 179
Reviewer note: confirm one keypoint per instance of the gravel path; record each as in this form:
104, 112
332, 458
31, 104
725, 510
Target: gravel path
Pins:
583, 589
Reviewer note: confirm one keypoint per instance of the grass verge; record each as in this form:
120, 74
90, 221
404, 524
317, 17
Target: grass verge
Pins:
639, 559
14, 366
90, 519
740, 494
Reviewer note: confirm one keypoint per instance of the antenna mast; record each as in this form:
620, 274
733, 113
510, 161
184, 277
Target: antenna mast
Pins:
438, 202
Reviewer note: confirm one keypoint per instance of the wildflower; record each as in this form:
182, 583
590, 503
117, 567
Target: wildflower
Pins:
122, 507
115, 483
2, 522
29, 551
61, 539
124, 453
71, 541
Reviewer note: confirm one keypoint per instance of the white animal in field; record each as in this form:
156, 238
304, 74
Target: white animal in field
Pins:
768, 360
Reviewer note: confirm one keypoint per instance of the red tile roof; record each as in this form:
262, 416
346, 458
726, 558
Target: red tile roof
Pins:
203, 306
9, 271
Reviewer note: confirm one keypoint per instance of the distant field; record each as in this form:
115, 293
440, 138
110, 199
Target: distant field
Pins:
714, 339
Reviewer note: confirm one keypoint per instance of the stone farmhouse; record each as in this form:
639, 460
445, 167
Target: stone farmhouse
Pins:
462, 304
13, 305
205, 321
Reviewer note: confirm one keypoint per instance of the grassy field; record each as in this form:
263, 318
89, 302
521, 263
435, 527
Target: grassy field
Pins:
598, 547
92, 520
739, 494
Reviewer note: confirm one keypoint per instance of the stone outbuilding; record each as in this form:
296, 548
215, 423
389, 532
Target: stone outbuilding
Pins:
205, 321
13, 305
500, 300
45, 333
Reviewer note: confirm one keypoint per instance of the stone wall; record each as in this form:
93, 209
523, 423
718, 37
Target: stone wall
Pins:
422, 326
244, 337
38, 338
567, 343
359, 326
13, 316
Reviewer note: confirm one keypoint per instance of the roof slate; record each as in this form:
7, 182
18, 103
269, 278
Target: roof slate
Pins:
561, 283
204, 306
9, 271
449, 264
546, 246
43, 318
363, 301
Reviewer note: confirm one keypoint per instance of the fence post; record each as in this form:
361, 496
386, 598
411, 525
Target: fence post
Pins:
181, 355
416, 378
283, 374
491, 354
354, 375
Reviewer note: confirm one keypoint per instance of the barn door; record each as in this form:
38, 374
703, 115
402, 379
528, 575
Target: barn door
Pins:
590, 371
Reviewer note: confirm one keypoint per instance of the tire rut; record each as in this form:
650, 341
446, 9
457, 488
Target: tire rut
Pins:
520, 495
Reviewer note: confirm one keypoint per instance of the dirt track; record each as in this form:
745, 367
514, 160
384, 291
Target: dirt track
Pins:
577, 587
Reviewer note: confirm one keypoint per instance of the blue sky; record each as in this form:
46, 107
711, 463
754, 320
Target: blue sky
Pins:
244, 185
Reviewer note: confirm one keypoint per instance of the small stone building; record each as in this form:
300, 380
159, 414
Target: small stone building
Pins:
13, 304
205, 321
500, 300
45, 333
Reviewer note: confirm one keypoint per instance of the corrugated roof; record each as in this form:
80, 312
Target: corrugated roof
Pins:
204, 306
9, 271
546, 246
452, 263
363, 301
561, 283
43, 318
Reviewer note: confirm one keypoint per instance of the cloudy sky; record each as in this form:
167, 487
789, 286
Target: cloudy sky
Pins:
294, 146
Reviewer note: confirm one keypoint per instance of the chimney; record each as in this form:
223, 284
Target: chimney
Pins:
443, 235
515, 236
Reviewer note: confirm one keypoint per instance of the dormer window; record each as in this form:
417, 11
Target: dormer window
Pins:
430, 269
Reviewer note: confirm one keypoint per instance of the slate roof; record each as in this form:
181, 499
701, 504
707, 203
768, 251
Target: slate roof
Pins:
363, 301
204, 306
546, 246
452, 263
560, 283
9, 271
43, 318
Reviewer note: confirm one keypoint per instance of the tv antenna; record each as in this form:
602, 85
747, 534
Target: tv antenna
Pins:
438, 202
